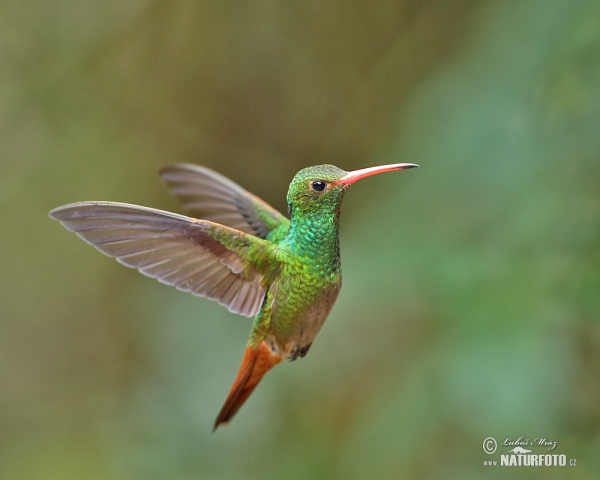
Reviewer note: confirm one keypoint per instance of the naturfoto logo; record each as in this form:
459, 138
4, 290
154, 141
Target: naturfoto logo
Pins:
519, 456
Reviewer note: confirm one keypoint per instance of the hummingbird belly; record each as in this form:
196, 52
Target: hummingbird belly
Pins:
299, 307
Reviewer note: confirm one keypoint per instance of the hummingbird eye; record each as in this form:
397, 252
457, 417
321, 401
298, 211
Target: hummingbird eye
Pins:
318, 185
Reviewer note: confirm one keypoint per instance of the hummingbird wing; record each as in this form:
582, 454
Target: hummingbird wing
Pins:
197, 256
212, 196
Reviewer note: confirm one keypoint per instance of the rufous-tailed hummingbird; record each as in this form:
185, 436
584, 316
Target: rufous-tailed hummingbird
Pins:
242, 253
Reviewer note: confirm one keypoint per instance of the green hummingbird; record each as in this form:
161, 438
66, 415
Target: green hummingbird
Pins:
242, 253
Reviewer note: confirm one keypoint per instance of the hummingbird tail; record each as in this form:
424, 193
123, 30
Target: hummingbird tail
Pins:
255, 363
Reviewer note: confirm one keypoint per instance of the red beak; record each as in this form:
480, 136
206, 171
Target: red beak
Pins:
355, 175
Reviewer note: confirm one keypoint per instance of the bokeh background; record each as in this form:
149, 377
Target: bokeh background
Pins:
471, 292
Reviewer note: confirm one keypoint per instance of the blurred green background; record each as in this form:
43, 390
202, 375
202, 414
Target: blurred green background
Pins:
471, 291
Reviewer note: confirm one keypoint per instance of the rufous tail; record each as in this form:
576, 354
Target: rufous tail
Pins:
255, 363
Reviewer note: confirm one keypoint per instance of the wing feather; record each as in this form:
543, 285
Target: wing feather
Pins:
212, 196
198, 256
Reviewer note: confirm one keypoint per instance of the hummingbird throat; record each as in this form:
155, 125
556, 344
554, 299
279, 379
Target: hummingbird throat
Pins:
315, 237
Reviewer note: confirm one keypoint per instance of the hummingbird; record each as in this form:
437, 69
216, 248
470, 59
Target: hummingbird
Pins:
239, 251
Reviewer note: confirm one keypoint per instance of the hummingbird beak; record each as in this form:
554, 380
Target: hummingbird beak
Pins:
355, 175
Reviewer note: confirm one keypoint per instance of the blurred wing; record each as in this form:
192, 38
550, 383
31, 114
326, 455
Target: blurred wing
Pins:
196, 256
211, 196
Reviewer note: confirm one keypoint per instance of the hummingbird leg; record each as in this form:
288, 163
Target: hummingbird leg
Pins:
304, 350
299, 351
295, 353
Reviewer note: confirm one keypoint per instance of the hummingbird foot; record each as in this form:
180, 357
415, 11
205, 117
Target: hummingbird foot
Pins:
304, 350
299, 351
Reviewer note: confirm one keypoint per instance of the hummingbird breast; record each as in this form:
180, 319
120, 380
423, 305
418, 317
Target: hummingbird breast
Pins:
301, 297
300, 301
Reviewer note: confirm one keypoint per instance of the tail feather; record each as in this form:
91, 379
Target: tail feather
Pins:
255, 363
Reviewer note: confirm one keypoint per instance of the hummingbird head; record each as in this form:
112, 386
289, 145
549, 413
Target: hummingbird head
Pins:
320, 189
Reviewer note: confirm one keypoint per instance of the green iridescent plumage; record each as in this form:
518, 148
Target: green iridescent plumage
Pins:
242, 253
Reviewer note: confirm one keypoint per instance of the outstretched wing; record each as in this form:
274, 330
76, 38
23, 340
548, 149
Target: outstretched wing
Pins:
197, 256
211, 196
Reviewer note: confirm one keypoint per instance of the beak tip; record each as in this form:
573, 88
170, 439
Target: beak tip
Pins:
356, 175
